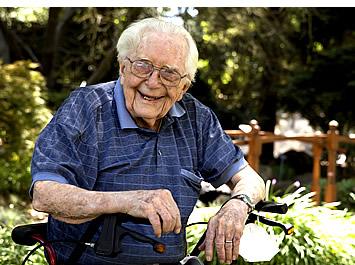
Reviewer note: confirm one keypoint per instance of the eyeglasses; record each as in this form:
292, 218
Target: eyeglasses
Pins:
144, 69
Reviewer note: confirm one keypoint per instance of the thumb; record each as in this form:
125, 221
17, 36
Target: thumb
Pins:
202, 246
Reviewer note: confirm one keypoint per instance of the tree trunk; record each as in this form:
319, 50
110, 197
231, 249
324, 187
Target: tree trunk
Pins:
4, 47
50, 47
57, 20
103, 68
268, 118
106, 64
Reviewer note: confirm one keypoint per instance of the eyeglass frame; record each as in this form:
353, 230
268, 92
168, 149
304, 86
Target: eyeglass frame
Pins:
155, 68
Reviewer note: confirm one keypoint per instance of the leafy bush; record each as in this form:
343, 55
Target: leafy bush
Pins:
22, 115
10, 253
345, 192
323, 234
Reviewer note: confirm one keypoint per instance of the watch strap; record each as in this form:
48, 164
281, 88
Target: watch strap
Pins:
244, 198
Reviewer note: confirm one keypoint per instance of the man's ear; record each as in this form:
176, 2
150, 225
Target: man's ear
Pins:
122, 68
184, 90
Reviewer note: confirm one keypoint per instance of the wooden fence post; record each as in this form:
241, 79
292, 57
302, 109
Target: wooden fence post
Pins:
317, 152
332, 146
254, 145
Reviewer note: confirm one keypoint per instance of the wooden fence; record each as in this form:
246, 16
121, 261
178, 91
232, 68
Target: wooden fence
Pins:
252, 136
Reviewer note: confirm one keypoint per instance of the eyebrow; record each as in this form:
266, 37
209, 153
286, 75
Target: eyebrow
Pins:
165, 65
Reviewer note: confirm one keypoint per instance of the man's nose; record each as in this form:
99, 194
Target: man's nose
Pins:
153, 79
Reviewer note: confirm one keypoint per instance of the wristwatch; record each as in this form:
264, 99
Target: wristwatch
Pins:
246, 199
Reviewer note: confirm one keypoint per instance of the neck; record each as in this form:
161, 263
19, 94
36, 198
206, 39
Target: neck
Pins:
152, 124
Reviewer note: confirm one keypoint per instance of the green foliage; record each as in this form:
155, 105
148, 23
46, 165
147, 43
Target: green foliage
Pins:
323, 234
253, 61
246, 54
10, 253
345, 192
25, 14
261, 60
327, 77
22, 115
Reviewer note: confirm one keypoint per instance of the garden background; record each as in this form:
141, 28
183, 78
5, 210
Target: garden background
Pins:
255, 63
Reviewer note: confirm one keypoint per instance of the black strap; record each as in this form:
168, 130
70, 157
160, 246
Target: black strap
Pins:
109, 241
105, 245
112, 233
87, 236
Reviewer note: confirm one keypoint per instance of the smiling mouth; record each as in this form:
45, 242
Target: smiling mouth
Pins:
149, 98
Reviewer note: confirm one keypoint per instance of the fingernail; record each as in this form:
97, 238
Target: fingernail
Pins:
208, 258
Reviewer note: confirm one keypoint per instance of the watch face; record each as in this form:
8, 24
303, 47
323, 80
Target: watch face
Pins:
245, 198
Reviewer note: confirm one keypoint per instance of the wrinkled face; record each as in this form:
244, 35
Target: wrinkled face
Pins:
148, 99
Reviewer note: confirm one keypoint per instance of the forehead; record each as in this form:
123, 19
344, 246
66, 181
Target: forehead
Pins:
163, 49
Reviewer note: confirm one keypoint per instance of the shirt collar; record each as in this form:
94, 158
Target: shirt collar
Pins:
176, 110
125, 119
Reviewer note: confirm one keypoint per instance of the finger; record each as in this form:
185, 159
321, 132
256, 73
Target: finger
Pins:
173, 210
154, 220
167, 221
202, 246
228, 248
174, 217
236, 242
177, 227
209, 241
220, 241
164, 207
229, 242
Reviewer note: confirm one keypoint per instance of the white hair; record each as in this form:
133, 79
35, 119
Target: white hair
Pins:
131, 37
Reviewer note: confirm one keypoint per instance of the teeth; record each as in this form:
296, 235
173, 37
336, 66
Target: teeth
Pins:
149, 98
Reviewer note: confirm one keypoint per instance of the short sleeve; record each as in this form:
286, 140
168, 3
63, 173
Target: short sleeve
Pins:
66, 150
219, 158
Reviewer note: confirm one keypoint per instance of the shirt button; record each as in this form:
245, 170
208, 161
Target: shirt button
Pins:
159, 152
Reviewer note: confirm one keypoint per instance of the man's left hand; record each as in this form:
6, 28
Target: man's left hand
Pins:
224, 231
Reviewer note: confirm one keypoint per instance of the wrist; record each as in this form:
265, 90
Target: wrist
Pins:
113, 202
237, 205
246, 200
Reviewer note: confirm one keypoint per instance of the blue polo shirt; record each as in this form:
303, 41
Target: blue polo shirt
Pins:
93, 143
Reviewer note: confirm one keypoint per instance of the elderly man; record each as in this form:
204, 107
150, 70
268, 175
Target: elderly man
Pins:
141, 146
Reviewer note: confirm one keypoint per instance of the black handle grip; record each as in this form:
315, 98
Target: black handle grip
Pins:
22, 235
271, 207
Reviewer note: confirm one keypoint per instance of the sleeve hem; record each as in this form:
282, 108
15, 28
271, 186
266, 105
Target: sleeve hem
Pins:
46, 176
230, 171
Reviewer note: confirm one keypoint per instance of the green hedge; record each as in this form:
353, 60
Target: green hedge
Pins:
10, 253
23, 114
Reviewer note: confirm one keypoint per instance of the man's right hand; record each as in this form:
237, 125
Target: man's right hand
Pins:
158, 206
75, 205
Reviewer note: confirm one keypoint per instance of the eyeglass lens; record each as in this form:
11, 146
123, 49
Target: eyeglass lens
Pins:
145, 68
